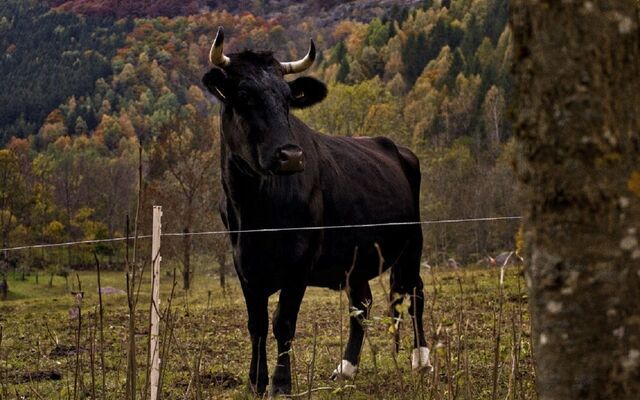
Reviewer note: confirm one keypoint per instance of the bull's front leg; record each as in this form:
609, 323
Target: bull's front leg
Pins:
258, 323
284, 329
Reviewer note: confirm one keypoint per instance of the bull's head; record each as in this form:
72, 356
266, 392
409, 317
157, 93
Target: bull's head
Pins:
256, 102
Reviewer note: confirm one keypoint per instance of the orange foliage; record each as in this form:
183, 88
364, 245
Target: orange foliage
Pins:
18, 146
54, 117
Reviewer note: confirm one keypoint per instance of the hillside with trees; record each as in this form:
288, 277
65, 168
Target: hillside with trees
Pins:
88, 89
47, 57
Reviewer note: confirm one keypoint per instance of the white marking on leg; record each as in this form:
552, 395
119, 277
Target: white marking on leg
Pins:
420, 359
344, 370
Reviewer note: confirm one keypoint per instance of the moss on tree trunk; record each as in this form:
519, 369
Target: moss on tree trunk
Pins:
577, 121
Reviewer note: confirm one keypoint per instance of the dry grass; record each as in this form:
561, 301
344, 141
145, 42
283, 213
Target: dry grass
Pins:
480, 343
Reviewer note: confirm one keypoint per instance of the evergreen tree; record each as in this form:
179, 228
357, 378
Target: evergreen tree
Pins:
343, 71
415, 56
339, 52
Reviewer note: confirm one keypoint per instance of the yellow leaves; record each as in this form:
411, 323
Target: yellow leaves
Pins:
437, 69
485, 51
82, 214
55, 117
355, 41
397, 86
54, 230
393, 324
394, 65
345, 110
127, 126
53, 127
5, 215
91, 229
19, 147
81, 142
403, 307
128, 74
634, 183
6, 157
41, 166
63, 143
195, 96
343, 29
608, 159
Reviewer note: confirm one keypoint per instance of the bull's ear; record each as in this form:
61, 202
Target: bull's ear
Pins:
217, 82
307, 91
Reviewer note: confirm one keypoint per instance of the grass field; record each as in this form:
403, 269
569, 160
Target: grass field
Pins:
479, 338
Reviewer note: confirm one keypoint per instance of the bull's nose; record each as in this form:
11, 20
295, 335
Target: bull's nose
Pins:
290, 159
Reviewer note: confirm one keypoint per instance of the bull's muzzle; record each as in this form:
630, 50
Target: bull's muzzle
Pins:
290, 159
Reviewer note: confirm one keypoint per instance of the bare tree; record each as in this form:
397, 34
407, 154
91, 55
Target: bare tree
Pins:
492, 110
577, 79
188, 155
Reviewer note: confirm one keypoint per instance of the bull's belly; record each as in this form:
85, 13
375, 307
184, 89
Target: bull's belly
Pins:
354, 253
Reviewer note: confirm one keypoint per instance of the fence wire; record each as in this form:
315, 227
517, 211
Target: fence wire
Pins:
265, 230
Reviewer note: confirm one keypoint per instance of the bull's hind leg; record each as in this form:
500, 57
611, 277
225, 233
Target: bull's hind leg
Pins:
359, 304
406, 280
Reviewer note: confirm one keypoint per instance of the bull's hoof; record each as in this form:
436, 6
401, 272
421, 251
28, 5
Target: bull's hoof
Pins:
282, 389
420, 360
345, 370
258, 389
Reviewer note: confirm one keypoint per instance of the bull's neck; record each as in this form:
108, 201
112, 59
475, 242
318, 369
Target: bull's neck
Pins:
268, 201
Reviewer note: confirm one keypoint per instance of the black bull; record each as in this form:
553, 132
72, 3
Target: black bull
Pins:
279, 173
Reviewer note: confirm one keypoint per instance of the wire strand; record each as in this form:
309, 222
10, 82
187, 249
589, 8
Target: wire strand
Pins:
268, 230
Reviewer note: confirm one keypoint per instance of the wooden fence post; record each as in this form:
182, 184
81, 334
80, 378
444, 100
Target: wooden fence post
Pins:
154, 351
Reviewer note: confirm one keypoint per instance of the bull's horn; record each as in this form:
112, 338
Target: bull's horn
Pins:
300, 65
216, 54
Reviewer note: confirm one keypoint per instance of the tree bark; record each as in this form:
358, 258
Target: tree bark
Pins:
4, 285
223, 269
4, 288
186, 259
577, 121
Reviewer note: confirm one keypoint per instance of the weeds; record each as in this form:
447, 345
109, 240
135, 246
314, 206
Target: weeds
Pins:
476, 322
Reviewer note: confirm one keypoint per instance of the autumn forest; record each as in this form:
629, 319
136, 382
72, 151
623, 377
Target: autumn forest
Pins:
91, 91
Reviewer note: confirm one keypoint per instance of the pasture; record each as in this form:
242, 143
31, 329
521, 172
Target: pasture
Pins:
478, 332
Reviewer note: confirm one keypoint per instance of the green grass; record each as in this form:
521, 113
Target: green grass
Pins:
460, 315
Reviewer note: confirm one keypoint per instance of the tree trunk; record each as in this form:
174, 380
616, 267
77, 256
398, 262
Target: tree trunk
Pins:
577, 121
223, 269
186, 260
4, 288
